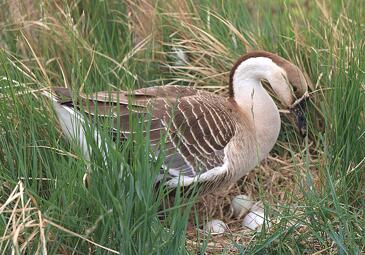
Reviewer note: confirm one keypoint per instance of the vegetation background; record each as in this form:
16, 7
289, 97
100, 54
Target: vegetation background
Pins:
313, 189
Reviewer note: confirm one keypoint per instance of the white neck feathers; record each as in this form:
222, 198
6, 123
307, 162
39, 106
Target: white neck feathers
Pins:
262, 68
256, 103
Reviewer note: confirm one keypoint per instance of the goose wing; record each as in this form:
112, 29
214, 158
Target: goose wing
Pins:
191, 127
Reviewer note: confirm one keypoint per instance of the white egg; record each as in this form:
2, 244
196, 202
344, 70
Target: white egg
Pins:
255, 219
240, 205
216, 227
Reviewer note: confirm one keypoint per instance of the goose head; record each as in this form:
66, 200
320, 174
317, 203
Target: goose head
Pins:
286, 79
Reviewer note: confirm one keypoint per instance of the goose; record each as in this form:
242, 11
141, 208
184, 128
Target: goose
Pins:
207, 138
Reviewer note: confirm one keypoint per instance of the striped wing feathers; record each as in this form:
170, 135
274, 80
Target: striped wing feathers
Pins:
197, 125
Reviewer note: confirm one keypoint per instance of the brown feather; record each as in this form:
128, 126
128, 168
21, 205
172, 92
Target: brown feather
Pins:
198, 123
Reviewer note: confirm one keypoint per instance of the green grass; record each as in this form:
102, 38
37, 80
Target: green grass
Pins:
87, 45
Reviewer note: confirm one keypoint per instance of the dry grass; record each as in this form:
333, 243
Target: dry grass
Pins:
25, 227
28, 231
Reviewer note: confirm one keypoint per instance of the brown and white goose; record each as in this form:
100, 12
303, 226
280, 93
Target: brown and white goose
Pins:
209, 139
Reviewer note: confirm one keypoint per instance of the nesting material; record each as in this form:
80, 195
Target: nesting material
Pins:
216, 227
255, 219
241, 204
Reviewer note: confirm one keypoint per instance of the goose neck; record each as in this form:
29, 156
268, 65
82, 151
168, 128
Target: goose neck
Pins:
262, 114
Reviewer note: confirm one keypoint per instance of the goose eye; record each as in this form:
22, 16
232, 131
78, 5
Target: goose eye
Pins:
295, 90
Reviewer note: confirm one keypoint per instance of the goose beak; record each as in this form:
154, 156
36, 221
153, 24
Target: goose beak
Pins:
299, 120
297, 110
